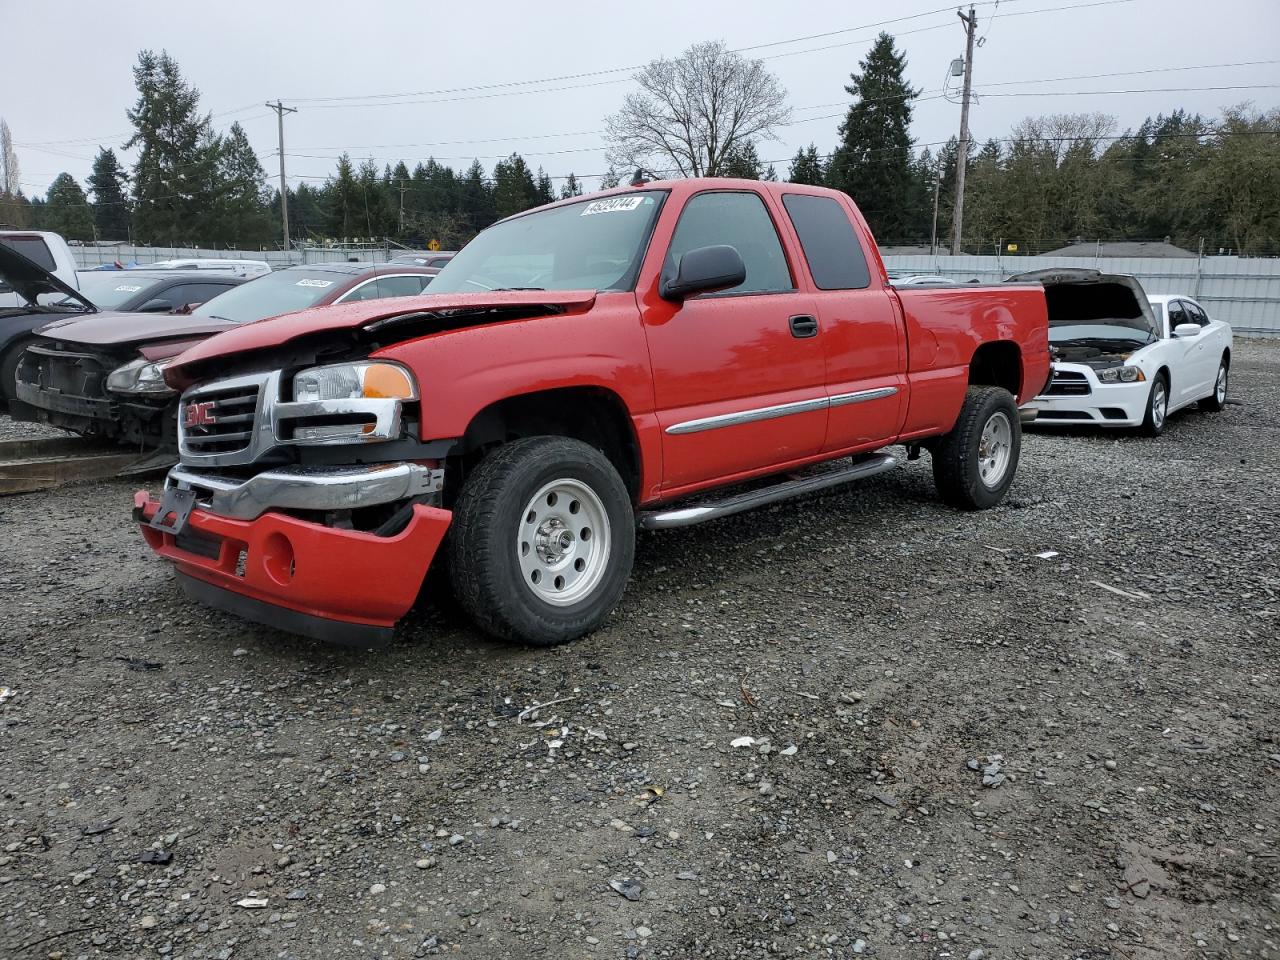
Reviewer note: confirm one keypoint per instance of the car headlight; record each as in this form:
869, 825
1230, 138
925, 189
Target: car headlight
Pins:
353, 402
345, 381
140, 376
1121, 375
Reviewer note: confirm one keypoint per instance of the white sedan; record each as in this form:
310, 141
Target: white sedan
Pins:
1135, 371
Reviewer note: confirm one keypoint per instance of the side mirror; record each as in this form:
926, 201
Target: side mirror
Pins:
702, 270
1187, 330
156, 306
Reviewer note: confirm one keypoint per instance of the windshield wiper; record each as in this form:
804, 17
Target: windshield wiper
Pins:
1098, 341
507, 289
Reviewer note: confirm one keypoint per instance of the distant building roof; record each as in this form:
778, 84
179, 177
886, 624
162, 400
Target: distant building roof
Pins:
1122, 248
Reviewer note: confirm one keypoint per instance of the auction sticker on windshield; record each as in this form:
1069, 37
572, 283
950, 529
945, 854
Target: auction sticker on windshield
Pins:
614, 205
314, 283
125, 288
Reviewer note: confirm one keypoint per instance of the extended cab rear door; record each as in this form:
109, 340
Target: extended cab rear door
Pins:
738, 376
862, 329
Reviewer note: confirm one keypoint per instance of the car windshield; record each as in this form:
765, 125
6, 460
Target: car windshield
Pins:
271, 295
108, 290
590, 245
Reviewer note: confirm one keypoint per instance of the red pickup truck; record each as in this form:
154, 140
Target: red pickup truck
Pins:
652, 356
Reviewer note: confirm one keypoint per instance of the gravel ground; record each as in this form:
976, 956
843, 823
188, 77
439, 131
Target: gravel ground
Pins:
771, 748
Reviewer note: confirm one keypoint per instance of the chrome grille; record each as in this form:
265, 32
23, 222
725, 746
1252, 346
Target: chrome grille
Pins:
230, 422
227, 422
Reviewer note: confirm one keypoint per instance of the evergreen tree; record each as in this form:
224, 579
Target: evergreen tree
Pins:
546, 192
173, 179
110, 205
66, 209
240, 215
770, 174
610, 179
742, 161
477, 208
571, 188
873, 162
371, 215
306, 213
513, 187
342, 196
807, 167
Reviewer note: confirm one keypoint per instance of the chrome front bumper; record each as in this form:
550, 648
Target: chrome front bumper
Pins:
307, 488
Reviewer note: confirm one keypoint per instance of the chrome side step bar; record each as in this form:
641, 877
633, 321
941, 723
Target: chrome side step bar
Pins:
713, 510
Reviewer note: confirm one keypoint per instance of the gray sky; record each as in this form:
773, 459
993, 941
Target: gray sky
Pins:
68, 80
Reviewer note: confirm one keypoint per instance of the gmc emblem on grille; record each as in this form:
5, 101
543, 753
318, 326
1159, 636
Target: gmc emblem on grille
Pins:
200, 415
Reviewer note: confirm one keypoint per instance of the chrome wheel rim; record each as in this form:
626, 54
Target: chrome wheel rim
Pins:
563, 542
995, 448
1159, 403
1220, 388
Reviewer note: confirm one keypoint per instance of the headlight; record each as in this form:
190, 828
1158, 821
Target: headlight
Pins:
140, 376
353, 402
345, 381
1121, 375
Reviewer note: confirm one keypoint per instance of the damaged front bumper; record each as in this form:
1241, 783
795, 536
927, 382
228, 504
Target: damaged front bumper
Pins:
233, 550
1075, 396
307, 488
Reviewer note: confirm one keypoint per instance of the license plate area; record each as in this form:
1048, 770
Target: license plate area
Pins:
175, 507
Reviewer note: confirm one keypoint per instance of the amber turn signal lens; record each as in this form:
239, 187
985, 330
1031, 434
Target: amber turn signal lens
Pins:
387, 381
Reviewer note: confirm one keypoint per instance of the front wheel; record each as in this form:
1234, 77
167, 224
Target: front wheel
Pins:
974, 464
1218, 399
1157, 413
542, 541
9, 360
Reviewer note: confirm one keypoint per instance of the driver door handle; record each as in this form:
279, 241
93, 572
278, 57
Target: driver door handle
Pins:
803, 326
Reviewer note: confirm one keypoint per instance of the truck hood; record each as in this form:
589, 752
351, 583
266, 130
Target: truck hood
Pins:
30, 280
1080, 296
111, 328
380, 321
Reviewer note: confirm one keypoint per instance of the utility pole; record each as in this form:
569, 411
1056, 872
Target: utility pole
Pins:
400, 184
281, 110
933, 237
962, 157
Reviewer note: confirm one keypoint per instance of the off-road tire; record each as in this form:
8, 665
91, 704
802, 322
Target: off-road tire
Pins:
484, 540
956, 461
1215, 401
1153, 423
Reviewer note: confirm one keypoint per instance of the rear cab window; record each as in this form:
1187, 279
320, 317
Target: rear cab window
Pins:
739, 220
33, 248
836, 259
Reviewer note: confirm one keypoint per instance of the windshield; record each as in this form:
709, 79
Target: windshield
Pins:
590, 245
109, 290
271, 295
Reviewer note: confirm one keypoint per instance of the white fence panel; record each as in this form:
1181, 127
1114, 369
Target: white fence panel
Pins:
1243, 291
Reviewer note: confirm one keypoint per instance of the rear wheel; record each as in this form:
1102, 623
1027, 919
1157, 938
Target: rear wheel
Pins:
1157, 407
542, 541
974, 464
1218, 399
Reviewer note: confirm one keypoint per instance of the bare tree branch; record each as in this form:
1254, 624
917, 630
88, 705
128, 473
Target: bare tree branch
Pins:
692, 112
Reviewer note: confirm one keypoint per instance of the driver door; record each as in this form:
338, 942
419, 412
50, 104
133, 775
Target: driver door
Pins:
739, 376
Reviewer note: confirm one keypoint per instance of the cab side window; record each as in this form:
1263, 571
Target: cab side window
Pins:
1176, 315
738, 220
1195, 314
835, 257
